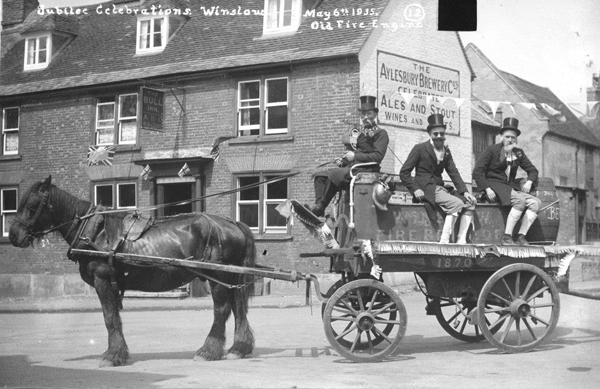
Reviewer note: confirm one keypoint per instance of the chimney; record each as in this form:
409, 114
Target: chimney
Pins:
16, 11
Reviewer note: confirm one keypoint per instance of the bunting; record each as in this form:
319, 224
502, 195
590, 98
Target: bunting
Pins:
184, 171
100, 155
145, 172
215, 152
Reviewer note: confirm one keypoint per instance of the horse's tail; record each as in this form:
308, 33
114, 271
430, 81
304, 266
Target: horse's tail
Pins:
249, 261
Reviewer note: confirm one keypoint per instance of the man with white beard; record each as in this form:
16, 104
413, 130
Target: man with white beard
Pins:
495, 172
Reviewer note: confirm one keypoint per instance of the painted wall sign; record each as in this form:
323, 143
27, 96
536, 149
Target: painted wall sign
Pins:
152, 109
410, 90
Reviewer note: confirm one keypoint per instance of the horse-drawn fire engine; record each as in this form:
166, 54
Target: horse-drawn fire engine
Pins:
480, 290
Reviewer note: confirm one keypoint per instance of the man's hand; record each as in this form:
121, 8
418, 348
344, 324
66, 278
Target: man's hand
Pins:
470, 198
419, 194
339, 162
490, 194
527, 186
349, 156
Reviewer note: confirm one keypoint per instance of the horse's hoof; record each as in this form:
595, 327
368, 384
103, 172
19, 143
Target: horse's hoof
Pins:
232, 356
106, 363
200, 358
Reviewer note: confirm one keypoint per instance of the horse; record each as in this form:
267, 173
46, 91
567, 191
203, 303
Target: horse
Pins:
196, 236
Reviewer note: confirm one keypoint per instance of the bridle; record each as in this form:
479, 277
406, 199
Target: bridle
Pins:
41, 206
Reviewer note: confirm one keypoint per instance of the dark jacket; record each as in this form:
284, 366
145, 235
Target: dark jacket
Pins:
490, 171
368, 149
428, 173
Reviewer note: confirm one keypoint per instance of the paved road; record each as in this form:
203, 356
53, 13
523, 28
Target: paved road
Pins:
63, 350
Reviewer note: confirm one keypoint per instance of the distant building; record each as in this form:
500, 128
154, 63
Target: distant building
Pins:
281, 78
555, 140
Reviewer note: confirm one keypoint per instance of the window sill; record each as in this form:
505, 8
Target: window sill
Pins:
261, 139
273, 237
277, 34
128, 148
10, 157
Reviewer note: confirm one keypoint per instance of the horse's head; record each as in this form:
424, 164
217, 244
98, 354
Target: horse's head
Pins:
33, 215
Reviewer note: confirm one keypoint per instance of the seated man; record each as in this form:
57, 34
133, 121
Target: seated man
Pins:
371, 146
429, 160
495, 171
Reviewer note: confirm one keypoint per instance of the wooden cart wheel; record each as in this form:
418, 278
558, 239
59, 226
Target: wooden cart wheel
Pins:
528, 305
365, 320
453, 314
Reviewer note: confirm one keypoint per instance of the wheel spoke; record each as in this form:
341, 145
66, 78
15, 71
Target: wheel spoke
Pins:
495, 310
500, 320
529, 328
510, 323
543, 305
384, 309
512, 296
386, 321
545, 322
345, 303
381, 334
500, 297
542, 290
518, 284
356, 341
453, 317
529, 285
359, 296
347, 331
464, 325
342, 318
518, 329
372, 303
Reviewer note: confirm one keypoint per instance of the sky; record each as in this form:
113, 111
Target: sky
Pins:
551, 43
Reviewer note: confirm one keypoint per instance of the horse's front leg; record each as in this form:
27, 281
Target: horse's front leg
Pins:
117, 353
214, 344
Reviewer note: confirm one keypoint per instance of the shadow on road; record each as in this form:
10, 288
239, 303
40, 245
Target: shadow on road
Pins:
19, 371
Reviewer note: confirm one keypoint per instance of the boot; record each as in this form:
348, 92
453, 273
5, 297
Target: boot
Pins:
448, 228
465, 223
513, 217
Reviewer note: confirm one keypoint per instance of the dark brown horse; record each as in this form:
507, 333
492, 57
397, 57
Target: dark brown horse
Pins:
196, 235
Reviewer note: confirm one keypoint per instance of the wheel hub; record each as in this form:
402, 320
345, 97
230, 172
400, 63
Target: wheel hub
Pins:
520, 308
365, 321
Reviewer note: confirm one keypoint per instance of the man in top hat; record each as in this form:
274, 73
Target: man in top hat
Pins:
429, 160
495, 171
371, 146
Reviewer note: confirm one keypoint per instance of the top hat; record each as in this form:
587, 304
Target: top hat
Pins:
510, 124
435, 120
368, 102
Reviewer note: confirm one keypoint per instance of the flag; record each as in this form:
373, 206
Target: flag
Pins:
493, 105
145, 172
185, 170
100, 155
550, 111
215, 152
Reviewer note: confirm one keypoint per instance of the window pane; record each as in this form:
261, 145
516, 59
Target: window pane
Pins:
277, 91
126, 195
144, 33
43, 43
250, 117
128, 131
249, 90
106, 112
104, 195
31, 51
249, 214
277, 190
287, 13
11, 142
11, 118
128, 106
9, 200
7, 220
42, 56
273, 14
277, 117
158, 32
248, 194
274, 218
106, 136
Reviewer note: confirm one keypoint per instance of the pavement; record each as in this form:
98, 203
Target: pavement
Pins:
92, 304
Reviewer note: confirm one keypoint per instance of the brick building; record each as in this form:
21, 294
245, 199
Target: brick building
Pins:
555, 140
282, 78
